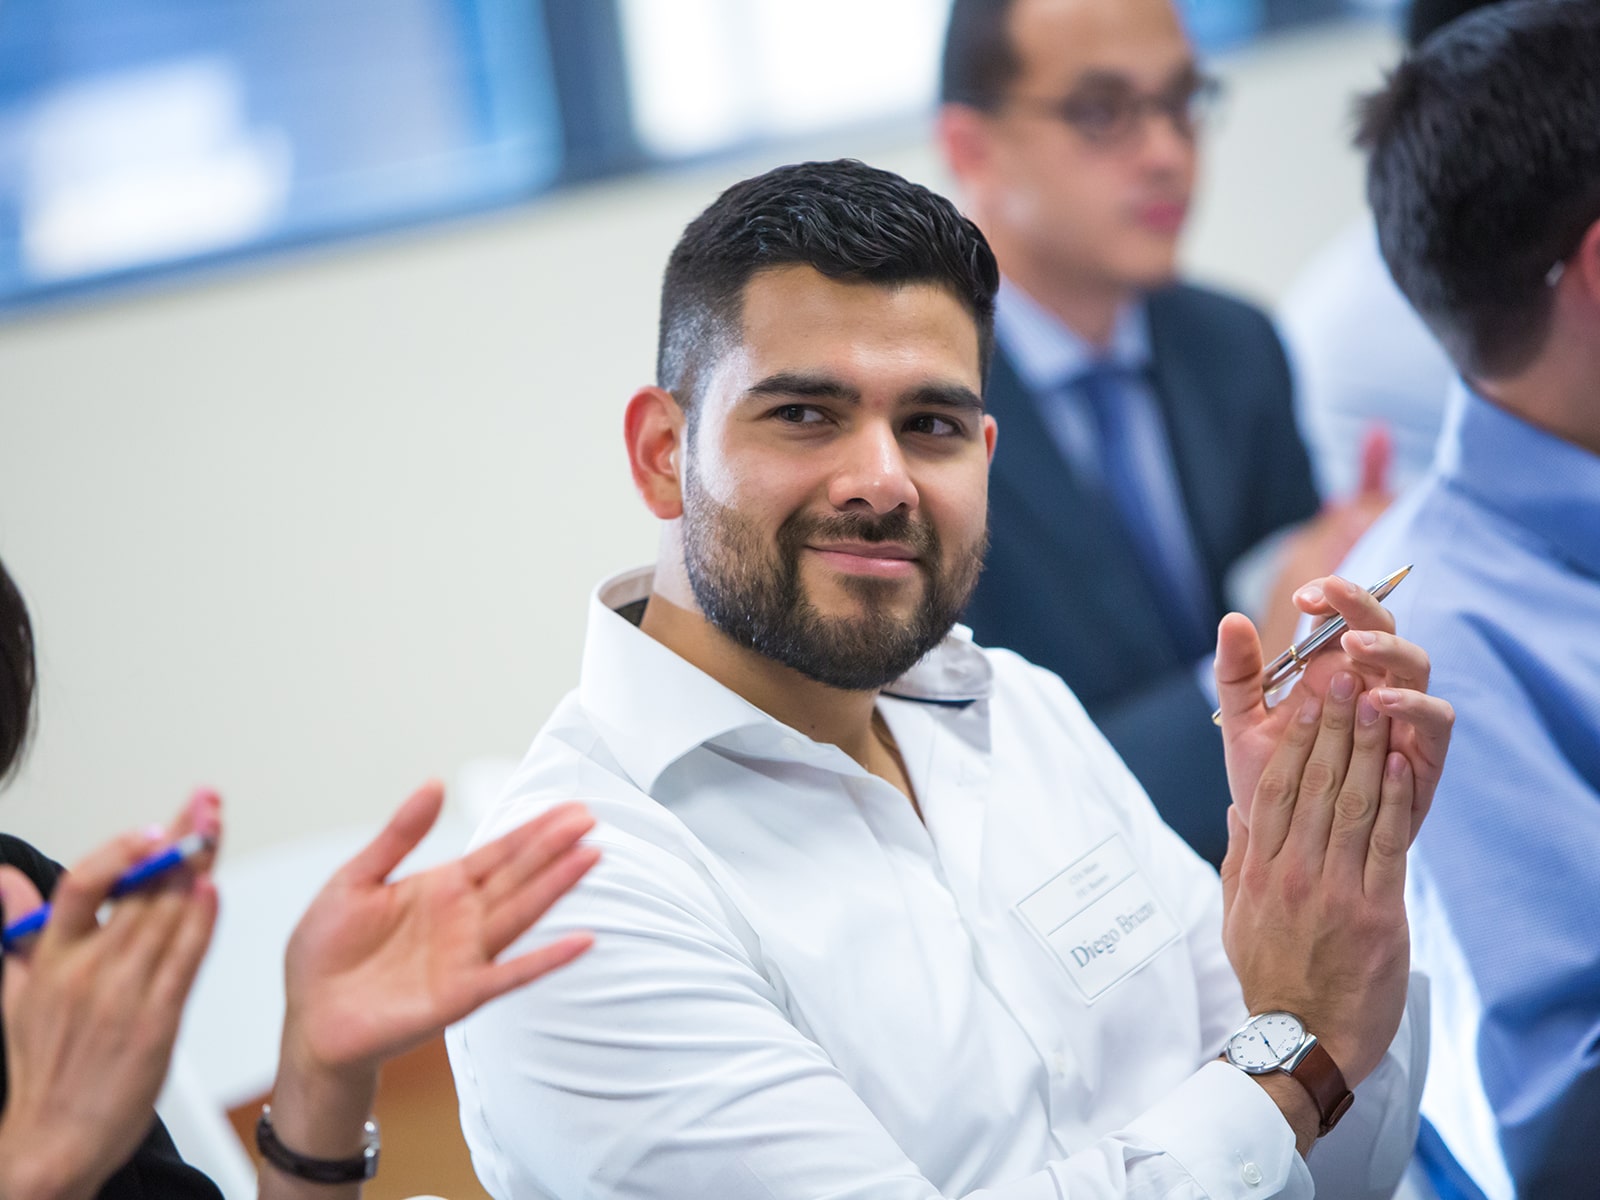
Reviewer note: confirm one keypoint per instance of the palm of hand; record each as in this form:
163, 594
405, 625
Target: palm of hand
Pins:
378, 968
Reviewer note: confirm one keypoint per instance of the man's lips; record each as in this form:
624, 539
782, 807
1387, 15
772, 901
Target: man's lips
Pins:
888, 560
1162, 216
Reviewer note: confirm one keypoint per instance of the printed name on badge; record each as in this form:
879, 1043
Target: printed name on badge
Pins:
1100, 917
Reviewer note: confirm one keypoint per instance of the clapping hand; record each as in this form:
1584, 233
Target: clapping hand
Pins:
91, 1010
1329, 789
375, 968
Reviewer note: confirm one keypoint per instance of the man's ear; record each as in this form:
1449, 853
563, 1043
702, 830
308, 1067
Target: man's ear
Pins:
964, 137
654, 428
1586, 263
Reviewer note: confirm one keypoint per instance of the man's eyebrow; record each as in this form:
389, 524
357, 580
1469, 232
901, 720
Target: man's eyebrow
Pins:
804, 386
945, 395
801, 386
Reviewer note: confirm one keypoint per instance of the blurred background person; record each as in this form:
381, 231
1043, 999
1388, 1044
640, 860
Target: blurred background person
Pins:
1485, 183
1148, 435
1365, 366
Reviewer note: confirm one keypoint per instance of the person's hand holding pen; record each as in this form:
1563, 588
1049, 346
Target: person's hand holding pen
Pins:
1329, 787
91, 1010
1390, 671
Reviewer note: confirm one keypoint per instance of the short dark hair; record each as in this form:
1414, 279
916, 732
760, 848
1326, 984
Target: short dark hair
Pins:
1484, 173
979, 61
1428, 15
845, 219
16, 673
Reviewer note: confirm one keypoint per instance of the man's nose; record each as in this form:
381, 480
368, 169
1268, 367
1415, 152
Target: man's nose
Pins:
873, 472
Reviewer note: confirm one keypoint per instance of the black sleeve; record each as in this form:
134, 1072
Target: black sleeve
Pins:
156, 1171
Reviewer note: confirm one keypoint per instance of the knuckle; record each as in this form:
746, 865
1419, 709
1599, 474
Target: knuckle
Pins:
1296, 885
1318, 779
1276, 787
1352, 807
1386, 844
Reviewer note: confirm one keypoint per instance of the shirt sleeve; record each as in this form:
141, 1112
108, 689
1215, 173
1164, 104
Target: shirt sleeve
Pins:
663, 1063
1508, 856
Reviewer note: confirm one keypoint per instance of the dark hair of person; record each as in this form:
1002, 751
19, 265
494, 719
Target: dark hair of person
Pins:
1484, 173
16, 673
844, 219
979, 61
1427, 15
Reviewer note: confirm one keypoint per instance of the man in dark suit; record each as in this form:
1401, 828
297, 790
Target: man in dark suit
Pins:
1147, 431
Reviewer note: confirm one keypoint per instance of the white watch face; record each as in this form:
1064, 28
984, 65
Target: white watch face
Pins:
1265, 1042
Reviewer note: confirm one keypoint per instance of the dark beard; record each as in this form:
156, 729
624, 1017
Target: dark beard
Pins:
752, 592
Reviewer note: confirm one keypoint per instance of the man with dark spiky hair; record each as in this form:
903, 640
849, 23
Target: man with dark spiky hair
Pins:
880, 914
1485, 181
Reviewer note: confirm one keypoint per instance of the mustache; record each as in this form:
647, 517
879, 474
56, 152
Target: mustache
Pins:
896, 526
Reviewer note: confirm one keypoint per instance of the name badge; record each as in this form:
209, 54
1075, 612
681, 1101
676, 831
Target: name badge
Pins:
1100, 918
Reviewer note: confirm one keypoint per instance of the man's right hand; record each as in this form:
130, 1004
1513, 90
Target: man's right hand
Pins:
1313, 884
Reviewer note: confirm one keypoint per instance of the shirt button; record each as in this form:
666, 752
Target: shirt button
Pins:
1250, 1173
1058, 1063
791, 746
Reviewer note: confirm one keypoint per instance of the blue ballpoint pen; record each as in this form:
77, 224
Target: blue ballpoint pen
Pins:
136, 876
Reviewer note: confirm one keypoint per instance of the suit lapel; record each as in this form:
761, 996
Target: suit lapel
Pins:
1196, 433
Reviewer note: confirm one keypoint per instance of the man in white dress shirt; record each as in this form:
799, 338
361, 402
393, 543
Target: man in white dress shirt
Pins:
880, 913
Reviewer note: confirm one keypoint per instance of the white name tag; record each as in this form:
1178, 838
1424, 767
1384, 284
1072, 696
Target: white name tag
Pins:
1100, 918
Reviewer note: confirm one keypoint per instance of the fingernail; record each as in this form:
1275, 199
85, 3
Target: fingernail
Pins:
1366, 711
1343, 686
1395, 765
1367, 638
1311, 594
154, 833
1310, 711
1387, 696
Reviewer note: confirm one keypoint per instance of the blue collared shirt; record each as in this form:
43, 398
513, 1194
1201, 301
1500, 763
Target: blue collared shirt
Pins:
1505, 875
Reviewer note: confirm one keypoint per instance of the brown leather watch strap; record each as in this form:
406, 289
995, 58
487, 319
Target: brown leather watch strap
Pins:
1320, 1076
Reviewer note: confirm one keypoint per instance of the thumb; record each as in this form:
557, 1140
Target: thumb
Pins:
1238, 670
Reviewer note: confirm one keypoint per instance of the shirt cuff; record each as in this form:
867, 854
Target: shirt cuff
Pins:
1222, 1127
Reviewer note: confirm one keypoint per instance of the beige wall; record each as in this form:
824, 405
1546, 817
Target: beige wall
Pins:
313, 531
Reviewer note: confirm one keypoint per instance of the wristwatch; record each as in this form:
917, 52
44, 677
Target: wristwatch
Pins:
1278, 1041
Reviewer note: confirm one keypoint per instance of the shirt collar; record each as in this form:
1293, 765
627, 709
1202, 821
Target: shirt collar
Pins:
654, 707
1545, 484
1047, 354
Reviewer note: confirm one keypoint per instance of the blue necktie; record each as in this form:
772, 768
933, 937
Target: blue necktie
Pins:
1105, 387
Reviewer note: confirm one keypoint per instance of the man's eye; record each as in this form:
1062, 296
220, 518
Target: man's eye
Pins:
936, 426
1097, 115
798, 414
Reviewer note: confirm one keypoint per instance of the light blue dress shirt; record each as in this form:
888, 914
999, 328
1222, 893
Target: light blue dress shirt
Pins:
1505, 875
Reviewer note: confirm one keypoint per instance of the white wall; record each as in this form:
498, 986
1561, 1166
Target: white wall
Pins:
316, 530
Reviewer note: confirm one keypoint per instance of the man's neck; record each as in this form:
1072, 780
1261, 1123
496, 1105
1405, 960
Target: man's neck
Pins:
824, 714
1090, 309
1559, 393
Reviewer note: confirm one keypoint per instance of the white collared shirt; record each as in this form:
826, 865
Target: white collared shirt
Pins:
798, 990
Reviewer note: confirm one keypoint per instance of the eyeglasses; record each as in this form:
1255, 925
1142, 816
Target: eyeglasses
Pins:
1114, 116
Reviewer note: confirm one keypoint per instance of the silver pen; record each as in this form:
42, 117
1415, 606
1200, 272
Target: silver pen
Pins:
1288, 665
